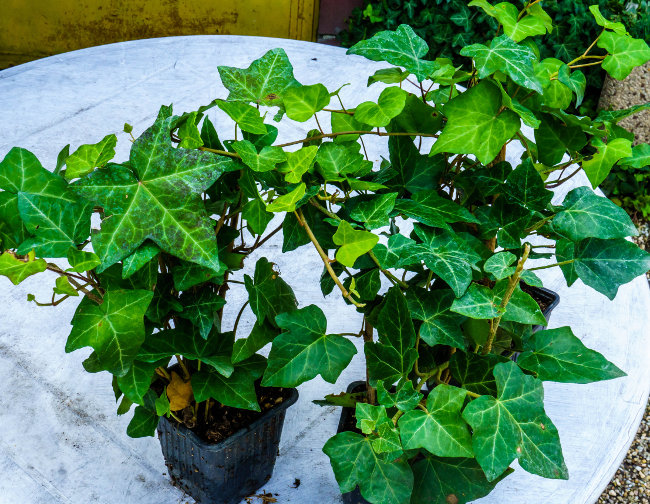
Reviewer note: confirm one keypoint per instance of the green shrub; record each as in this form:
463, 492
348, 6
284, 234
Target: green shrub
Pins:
449, 25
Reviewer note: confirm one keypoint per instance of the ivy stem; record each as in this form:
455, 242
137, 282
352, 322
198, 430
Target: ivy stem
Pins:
339, 133
221, 152
472, 394
183, 367
234, 330
326, 260
163, 372
512, 284
368, 332
431, 374
171, 413
561, 263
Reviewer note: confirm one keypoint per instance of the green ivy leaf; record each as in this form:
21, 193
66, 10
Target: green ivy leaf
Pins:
405, 399
137, 380
575, 81
263, 161
605, 23
401, 47
186, 275
143, 423
474, 372
625, 54
114, 329
525, 186
269, 295
303, 102
287, 202
558, 355
255, 215
388, 76
554, 137
236, 391
88, 157
188, 342
447, 255
605, 265
477, 303
440, 430
390, 103
440, 326
264, 82
260, 335
394, 252
393, 356
375, 212
188, 130
598, 167
640, 157
521, 308
304, 350
475, 125
144, 201
18, 269
346, 122
200, 308
514, 426
64, 287
145, 253
499, 265
445, 480
355, 463
586, 215
335, 161
353, 244
246, 116
298, 163
506, 56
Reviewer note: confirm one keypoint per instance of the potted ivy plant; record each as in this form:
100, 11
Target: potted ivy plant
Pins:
178, 218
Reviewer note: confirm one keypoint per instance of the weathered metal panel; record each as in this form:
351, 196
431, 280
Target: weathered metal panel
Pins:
32, 29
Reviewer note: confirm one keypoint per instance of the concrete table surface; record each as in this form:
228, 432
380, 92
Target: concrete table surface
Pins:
60, 439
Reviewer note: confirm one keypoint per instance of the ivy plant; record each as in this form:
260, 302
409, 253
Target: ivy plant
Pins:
436, 247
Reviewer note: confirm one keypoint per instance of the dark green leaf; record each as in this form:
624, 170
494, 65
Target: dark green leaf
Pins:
269, 295
440, 326
236, 391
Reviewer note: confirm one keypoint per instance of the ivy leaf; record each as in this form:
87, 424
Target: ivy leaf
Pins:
605, 23
506, 56
187, 275
188, 342
401, 47
18, 269
521, 307
625, 53
586, 215
387, 76
304, 350
405, 399
446, 480
440, 430
605, 265
260, 335
88, 157
599, 166
393, 356
157, 197
390, 103
335, 161
143, 423
448, 256
264, 82
145, 253
81, 261
375, 212
200, 308
514, 425
557, 355
255, 215
575, 81
440, 326
525, 186
137, 380
246, 116
287, 202
265, 161
640, 157
64, 287
355, 463
474, 372
353, 244
303, 102
477, 303
298, 163
346, 122
394, 252
269, 295
499, 265
114, 329
475, 125
554, 137
236, 391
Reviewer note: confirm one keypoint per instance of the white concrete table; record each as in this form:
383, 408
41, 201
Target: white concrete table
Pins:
60, 440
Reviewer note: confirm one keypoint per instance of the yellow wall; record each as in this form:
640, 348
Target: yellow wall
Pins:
32, 29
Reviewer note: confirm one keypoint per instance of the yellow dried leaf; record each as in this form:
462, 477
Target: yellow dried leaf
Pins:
179, 393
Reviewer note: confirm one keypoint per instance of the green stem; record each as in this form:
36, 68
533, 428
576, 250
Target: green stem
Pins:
561, 263
512, 284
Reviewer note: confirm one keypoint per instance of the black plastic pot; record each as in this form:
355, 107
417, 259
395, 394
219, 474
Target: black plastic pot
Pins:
225, 472
347, 421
